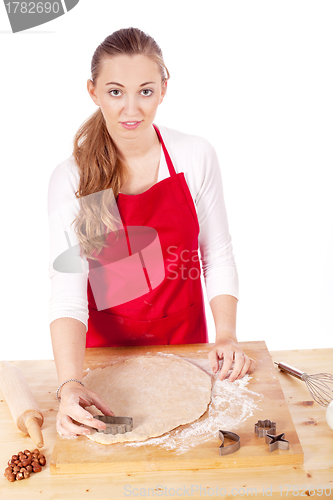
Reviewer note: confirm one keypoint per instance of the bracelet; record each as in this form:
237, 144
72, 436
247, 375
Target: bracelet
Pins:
69, 380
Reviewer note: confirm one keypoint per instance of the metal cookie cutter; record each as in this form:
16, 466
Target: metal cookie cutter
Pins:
262, 427
226, 450
115, 425
276, 442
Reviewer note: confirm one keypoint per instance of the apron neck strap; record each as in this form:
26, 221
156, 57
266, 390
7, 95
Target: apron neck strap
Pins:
166, 154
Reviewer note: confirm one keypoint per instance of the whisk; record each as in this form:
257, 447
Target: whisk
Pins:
320, 385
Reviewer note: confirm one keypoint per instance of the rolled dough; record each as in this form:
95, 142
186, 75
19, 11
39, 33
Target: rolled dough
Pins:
158, 392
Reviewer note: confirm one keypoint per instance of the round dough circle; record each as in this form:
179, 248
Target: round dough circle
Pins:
158, 392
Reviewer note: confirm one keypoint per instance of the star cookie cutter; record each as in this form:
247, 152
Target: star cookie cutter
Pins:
263, 427
276, 442
226, 450
115, 425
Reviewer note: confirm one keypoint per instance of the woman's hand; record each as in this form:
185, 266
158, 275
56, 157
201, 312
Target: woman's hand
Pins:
230, 352
74, 398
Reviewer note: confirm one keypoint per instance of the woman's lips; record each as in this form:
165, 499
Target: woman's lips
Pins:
130, 125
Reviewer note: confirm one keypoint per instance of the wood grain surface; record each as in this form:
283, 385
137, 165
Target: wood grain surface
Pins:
313, 478
81, 455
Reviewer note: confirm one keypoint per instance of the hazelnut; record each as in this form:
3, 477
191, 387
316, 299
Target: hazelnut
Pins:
22, 465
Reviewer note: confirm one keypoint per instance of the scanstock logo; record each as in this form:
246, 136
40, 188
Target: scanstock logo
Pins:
25, 15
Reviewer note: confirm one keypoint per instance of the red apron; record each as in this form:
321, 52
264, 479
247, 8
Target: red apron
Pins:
172, 312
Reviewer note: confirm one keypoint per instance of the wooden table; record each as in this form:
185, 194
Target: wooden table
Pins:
309, 419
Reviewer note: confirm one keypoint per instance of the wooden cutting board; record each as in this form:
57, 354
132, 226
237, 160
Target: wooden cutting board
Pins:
80, 455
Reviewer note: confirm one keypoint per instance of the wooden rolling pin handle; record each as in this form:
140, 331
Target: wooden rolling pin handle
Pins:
21, 402
34, 431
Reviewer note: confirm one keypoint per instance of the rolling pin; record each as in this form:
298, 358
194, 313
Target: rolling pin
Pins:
21, 402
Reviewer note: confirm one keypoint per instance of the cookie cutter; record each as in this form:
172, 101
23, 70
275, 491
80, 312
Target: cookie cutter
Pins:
263, 427
276, 442
226, 450
115, 425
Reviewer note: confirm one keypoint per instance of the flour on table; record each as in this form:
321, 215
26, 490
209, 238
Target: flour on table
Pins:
231, 404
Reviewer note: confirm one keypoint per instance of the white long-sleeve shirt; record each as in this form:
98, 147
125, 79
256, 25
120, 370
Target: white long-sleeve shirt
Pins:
190, 154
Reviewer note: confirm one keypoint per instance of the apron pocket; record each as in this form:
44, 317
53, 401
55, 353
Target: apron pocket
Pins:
111, 330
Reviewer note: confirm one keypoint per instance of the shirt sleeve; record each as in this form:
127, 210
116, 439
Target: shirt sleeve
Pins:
68, 289
217, 258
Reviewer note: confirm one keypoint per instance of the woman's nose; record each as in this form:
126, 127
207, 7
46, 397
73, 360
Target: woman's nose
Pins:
131, 106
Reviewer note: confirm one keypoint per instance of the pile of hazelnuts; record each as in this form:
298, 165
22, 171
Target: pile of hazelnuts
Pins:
20, 466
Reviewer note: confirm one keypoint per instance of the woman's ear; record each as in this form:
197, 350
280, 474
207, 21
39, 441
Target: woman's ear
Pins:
91, 91
164, 89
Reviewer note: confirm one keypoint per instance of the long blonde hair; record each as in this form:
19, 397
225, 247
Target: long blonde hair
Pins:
101, 170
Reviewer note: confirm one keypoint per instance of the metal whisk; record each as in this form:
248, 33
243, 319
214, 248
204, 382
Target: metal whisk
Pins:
320, 385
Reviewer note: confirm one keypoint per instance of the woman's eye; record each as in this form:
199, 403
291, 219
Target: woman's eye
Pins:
147, 92
117, 92
114, 94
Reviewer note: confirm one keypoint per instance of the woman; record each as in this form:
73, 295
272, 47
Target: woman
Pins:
167, 189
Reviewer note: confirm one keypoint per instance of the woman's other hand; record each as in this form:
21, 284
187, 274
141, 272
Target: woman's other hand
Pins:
74, 399
230, 352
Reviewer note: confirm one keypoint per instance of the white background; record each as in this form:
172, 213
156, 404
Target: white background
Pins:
255, 78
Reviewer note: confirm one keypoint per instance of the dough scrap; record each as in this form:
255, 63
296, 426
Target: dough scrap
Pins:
159, 392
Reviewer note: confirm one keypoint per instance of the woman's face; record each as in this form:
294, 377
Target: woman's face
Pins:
128, 90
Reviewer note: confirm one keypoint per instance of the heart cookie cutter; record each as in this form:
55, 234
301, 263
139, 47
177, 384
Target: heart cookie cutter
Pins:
115, 425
